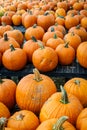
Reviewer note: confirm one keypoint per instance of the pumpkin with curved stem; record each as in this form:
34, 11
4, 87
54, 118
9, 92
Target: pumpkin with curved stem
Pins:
45, 58
35, 31
12, 58
23, 120
81, 123
4, 111
7, 92
30, 46
33, 90
5, 41
66, 54
56, 124
82, 54
60, 104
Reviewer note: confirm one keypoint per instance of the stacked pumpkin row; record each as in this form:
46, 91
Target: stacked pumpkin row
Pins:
47, 41
42, 107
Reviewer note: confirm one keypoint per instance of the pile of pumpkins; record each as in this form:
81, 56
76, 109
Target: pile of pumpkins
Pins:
55, 33
41, 105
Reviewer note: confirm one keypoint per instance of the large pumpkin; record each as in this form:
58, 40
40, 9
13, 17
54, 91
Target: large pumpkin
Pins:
56, 124
23, 120
33, 90
60, 104
82, 54
77, 86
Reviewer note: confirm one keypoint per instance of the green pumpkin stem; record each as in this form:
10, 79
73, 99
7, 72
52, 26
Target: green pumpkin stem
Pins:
5, 37
78, 26
64, 98
1, 81
19, 117
46, 13
66, 45
52, 29
59, 123
2, 123
41, 45
35, 25
77, 82
37, 77
12, 47
34, 39
55, 36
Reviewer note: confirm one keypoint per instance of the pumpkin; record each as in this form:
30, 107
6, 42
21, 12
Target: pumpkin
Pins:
78, 6
54, 42
5, 41
63, 4
56, 124
60, 104
30, 46
82, 54
77, 86
0, 59
12, 58
16, 34
60, 20
60, 12
33, 90
45, 58
16, 19
6, 19
7, 92
84, 22
23, 120
66, 54
4, 111
73, 39
81, 123
32, 31
45, 20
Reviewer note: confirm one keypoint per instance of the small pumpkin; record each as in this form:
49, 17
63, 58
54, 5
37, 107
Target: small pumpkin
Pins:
77, 86
7, 92
66, 54
33, 90
12, 58
60, 104
16, 19
56, 124
6, 19
23, 120
82, 54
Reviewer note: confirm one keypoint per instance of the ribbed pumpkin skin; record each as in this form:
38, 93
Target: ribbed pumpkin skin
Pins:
81, 123
7, 92
4, 111
29, 121
31, 94
79, 90
54, 108
48, 124
9, 128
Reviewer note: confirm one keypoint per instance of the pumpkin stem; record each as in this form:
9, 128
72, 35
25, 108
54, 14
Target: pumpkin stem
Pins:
1, 81
78, 26
41, 45
72, 33
19, 117
59, 123
12, 47
77, 82
55, 36
64, 98
2, 123
37, 77
66, 45
5, 37
35, 25
52, 29
46, 13
34, 39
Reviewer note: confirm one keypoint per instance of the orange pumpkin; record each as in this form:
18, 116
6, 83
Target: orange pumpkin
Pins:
17, 19
32, 91
82, 54
84, 22
81, 123
55, 124
46, 20
18, 120
77, 87
45, 59
7, 92
66, 54
6, 19
12, 58
4, 111
60, 104
36, 31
